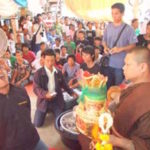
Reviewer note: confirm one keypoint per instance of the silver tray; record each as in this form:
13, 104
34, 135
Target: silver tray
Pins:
68, 123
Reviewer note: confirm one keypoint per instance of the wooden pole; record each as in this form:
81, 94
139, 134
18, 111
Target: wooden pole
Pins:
136, 8
14, 26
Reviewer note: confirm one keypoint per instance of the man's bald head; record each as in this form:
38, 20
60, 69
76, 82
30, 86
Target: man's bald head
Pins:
137, 65
141, 55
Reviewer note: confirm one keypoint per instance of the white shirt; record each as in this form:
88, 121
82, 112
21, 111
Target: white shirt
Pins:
38, 55
65, 29
48, 22
9, 65
28, 26
36, 65
11, 44
40, 38
64, 57
51, 79
98, 59
55, 47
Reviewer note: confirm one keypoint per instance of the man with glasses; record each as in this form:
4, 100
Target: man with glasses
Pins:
16, 130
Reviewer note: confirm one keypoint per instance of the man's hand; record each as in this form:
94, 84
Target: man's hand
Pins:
49, 96
70, 83
2, 62
148, 46
18, 83
75, 96
106, 50
118, 140
122, 143
13, 82
116, 50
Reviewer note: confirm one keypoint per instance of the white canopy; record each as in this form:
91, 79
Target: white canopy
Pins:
8, 8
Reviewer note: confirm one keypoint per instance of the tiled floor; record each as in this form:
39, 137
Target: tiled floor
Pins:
48, 132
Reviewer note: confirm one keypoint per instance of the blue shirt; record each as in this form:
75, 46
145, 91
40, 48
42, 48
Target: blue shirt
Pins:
127, 37
71, 72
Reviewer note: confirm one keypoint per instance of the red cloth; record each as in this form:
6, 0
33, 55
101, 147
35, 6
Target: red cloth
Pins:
79, 59
58, 66
30, 56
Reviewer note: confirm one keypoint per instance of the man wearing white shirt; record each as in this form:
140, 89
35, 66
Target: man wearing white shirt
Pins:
51, 81
47, 85
57, 44
39, 30
42, 49
28, 24
65, 26
37, 64
11, 44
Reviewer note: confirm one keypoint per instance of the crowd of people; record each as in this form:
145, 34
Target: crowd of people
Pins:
67, 37
50, 54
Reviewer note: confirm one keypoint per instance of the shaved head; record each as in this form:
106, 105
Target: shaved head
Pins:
137, 65
141, 55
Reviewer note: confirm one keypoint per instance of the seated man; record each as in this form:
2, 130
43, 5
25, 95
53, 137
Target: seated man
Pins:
78, 54
58, 61
38, 63
57, 44
11, 58
21, 72
90, 33
70, 70
42, 49
27, 54
47, 85
5, 63
131, 130
63, 54
98, 56
88, 55
71, 46
82, 39
16, 129
98, 43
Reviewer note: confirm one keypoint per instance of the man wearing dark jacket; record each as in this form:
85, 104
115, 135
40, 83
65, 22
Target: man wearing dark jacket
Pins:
16, 130
47, 85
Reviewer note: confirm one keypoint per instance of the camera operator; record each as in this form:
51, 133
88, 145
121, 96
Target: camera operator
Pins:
39, 32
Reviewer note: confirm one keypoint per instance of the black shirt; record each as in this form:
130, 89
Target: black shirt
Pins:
16, 130
84, 42
90, 34
63, 60
60, 62
142, 41
94, 70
